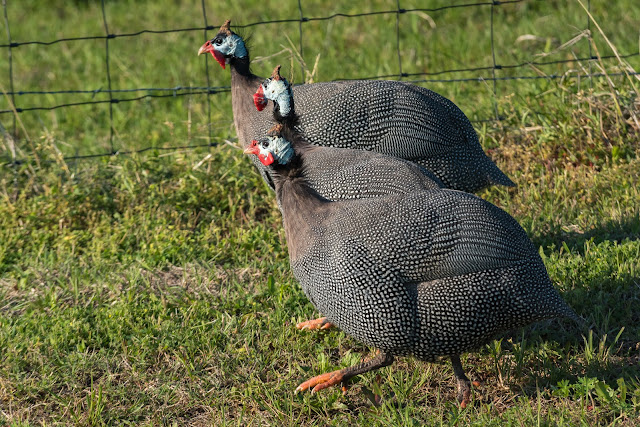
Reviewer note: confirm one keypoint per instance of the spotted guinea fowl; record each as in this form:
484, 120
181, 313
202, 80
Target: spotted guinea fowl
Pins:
390, 117
433, 273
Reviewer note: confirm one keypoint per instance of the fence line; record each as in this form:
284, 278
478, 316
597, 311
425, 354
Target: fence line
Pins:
209, 90
253, 24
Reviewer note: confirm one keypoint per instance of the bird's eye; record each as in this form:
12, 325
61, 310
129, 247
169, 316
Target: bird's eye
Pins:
265, 144
217, 41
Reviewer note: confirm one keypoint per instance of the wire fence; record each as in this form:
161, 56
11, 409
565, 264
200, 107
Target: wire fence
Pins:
118, 96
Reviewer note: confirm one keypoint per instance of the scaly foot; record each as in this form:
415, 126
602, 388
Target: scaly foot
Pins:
322, 381
336, 377
321, 323
464, 385
464, 393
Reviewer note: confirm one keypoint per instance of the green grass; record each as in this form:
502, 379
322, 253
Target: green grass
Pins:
155, 289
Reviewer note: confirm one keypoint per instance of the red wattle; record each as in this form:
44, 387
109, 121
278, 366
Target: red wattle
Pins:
266, 159
259, 100
220, 58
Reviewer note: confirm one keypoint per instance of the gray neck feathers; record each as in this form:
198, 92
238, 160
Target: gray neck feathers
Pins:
282, 150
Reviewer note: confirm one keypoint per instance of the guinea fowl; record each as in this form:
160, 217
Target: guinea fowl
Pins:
389, 117
434, 273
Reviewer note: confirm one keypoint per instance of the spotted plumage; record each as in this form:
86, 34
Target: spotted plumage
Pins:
338, 173
432, 274
388, 117
429, 273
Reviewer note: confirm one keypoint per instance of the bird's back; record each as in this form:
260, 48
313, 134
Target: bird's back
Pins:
428, 234
389, 117
401, 120
390, 270
342, 174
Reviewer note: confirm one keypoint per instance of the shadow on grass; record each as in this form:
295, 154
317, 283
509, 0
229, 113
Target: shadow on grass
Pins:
611, 230
608, 302
559, 350
549, 374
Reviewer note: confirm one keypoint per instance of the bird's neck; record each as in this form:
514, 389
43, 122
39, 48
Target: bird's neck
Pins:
243, 85
303, 209
242, 67
291, 120
285, 104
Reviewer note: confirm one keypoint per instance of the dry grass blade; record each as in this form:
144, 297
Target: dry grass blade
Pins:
309, 76
624, 64
26, 134
565, 45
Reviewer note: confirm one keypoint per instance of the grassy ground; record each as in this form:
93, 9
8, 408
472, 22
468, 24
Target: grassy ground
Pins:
155, 289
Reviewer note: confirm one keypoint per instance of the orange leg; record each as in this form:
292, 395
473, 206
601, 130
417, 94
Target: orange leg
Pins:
321, 323
336, 377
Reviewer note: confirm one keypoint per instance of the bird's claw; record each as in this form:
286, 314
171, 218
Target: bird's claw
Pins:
321, 382
321, 323
464, 392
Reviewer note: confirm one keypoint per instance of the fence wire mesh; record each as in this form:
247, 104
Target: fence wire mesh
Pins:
118, 96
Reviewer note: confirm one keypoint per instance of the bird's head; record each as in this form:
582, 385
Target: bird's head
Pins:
277, 89
226, 45
272, 148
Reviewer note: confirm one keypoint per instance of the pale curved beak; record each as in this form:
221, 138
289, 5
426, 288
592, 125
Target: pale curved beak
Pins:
253, 148
205, 48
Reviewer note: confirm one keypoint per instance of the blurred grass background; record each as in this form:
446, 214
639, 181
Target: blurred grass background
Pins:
346, 48
155, 288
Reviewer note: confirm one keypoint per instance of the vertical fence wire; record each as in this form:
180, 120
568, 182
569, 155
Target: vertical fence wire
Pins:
589, 42
399, 11
10, 57
302, 19
495, 67
206, 71
106, 60
12, 147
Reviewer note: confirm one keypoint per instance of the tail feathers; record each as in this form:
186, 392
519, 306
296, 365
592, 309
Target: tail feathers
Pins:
568, 312
578, 319
496, 176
